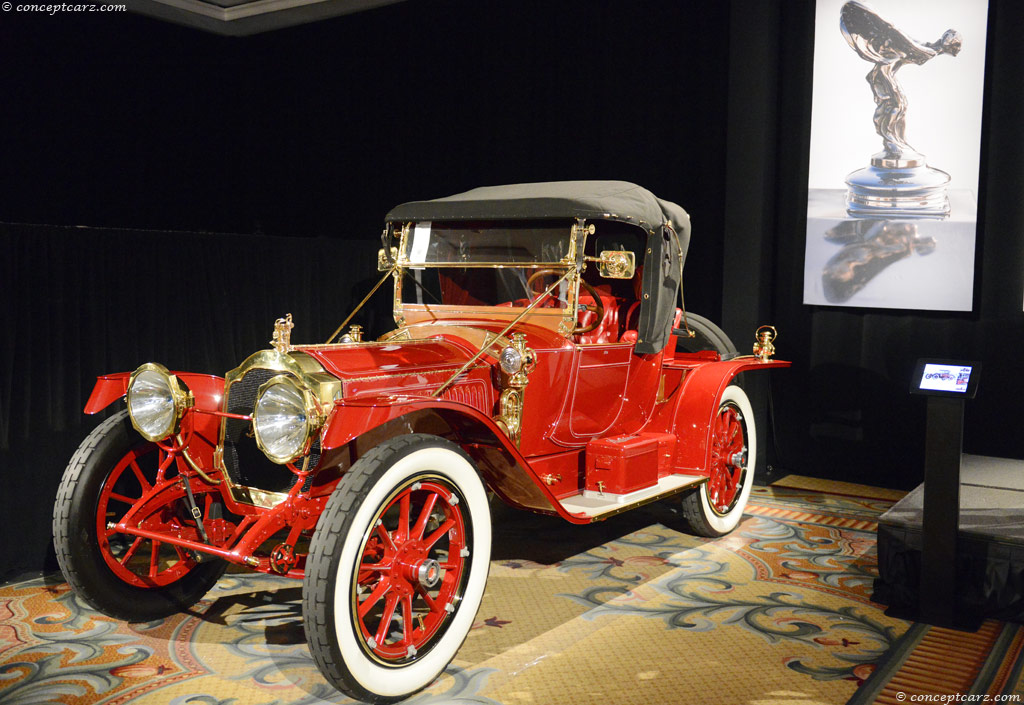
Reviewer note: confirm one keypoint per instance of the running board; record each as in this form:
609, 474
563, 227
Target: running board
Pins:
599, 504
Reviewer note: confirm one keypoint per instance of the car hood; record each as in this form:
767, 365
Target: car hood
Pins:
358, 360
418, 359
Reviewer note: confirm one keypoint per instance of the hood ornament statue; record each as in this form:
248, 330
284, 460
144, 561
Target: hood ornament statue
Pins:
898, 182
282, 340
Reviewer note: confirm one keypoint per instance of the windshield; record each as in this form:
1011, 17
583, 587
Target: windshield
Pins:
485, 263
479, 286
525, 243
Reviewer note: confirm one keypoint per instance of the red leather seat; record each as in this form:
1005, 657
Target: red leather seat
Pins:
631, 320
610, 328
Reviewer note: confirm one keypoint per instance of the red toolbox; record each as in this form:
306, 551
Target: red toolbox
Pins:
623, 464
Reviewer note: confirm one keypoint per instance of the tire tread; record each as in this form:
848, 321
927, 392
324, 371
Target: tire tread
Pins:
693, 515
62, 507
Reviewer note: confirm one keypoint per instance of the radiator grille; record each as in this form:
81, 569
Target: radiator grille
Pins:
244, 461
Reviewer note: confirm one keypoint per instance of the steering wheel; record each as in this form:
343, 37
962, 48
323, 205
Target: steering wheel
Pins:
597, 308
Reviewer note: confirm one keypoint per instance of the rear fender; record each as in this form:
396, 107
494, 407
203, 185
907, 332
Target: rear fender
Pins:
502, 466
697, 406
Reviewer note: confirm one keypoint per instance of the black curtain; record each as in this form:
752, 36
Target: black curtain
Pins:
104, 300
91, 301
303, 139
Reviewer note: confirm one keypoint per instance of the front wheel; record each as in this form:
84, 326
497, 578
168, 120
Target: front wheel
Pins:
124, 576
397, 568
716, 507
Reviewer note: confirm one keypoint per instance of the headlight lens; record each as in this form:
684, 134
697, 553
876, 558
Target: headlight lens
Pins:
155, 402
282, 420
511, 361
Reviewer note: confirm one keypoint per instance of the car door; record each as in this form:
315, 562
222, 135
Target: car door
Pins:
600, 374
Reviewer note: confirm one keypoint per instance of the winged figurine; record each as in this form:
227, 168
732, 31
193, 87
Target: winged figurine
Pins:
878, 41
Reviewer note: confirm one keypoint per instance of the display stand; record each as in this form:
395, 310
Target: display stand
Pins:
943, 448
947, 384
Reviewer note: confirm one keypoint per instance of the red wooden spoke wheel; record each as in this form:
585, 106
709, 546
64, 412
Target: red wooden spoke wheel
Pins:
139, 561
397, 568
728, 458
122, 577
411, 570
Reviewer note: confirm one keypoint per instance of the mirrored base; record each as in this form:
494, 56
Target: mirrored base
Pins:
909, 192
889, 262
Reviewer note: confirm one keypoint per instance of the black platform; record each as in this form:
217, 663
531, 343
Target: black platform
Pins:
990, 544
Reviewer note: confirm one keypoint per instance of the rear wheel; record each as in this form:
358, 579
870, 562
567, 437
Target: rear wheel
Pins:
123, 576
397, 568
716, 507
706, 336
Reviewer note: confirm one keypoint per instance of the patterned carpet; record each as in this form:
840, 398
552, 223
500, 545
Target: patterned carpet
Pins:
624, 611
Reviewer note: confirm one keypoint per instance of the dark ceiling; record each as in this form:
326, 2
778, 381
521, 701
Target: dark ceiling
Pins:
244, 17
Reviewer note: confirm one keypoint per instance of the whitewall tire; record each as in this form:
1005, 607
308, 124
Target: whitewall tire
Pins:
716, 507
397, 568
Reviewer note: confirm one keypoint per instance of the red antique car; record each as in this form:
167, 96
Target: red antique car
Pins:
539, 358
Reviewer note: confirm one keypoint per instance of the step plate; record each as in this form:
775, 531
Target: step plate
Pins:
594, 504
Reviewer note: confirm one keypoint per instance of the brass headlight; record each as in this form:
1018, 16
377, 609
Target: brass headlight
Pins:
284, 420
156, 401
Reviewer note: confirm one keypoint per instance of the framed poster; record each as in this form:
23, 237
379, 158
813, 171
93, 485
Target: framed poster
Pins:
894, 156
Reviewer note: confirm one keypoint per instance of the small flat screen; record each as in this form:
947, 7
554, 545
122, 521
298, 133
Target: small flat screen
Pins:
946, 378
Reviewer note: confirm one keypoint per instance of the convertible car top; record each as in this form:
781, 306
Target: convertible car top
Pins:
667, 226
603, 200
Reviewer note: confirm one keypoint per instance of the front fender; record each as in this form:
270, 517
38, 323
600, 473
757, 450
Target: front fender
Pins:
506, 470
697, 408
208, 390
107, 390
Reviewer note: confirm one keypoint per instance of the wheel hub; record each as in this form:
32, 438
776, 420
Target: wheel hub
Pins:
429, 573
416, 567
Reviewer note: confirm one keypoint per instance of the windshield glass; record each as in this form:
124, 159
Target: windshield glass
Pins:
526, 243
483, 286
485, 263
